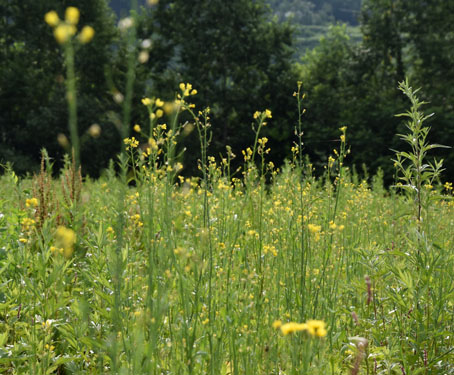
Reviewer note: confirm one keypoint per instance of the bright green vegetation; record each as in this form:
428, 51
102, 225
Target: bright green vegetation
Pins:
187, 276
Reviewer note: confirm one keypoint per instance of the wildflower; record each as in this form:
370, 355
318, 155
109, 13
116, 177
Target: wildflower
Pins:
94, 130
316, 328
146, 43
63, 32
62, 140
32, 202
27, 222
314, 228
51, 18
292, 327
168, 108
143, 57
159, 113
72, 15
137, 128
49, 347
268, 113
47, 324
66, 238
331, 161
159, 102
125, 23
277, 324
256, 115
87, 34
146, 101
131, 142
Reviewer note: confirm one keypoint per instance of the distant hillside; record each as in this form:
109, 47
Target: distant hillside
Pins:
310, 18
317, 12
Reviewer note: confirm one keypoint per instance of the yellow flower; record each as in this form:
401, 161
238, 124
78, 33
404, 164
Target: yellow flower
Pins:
277, 324
256, 115
63, 32
146, 101
292, 327
72, 15
137, 128
314, 228
159, 113
168, 107
316, 328
194, 92
268, 113
32, 202
94, 130
51, 18
66, 238
159, 102
87, 34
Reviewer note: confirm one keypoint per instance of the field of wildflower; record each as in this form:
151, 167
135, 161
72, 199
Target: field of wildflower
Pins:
260, 270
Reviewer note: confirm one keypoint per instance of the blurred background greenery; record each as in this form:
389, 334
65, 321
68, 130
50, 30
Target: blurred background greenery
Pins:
241, 56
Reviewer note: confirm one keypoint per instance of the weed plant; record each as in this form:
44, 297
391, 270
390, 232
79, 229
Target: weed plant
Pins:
270, 271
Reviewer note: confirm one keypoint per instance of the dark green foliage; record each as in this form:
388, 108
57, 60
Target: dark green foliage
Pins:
356, 85
32, 92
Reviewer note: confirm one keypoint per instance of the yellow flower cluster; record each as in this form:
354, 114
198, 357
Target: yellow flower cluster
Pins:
64, 30
262, 115
152, 104
334, 226
27, 223
314, 228
187, 89
32, 202
315, 328
131, 143
66, 238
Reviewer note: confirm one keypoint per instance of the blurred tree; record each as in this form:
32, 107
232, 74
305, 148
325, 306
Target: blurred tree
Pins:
32, 94
356, 85
415, 39
345, 87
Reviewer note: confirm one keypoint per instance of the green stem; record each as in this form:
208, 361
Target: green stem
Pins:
71, 96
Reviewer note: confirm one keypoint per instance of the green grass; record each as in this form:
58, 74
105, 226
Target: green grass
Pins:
163, 282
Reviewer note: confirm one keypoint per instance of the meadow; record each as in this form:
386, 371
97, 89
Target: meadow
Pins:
255, 270
271, 272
